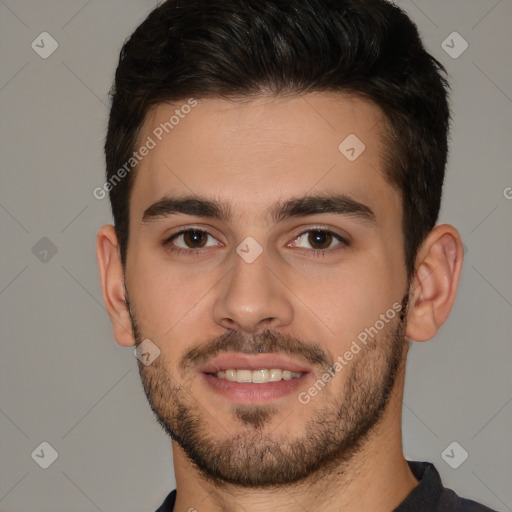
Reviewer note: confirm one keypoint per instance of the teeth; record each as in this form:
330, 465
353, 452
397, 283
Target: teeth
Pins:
230, 375
257, 376
275, 375
243, 375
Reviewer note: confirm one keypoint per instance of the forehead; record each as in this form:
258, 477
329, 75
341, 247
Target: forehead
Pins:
253, 153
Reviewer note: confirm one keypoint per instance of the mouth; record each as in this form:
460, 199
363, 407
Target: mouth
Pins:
258, 378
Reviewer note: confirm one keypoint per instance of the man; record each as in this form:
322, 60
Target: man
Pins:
275, 170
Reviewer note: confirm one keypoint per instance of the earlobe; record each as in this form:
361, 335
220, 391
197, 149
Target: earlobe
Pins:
434, 286
112, 284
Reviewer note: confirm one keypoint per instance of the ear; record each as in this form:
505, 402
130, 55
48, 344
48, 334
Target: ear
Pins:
112, 285
434, 285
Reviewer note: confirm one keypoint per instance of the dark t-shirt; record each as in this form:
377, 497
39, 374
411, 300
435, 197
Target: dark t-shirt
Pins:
428, 496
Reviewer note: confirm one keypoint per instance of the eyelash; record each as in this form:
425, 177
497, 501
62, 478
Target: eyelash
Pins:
187, 252
343, 243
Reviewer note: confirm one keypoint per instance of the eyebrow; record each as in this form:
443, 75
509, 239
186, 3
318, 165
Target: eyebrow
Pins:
340, 204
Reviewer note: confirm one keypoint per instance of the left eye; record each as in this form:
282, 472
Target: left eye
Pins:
318, 239
193, 239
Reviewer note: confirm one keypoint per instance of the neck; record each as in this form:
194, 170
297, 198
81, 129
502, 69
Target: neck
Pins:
376, 478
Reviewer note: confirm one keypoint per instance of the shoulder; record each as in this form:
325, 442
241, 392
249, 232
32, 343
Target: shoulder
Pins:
450, 501
430, 494
168, 504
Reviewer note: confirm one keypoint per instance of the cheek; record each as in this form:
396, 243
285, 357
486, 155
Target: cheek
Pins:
168, 300
349, 298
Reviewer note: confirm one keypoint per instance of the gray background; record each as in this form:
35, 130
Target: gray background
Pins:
66, 382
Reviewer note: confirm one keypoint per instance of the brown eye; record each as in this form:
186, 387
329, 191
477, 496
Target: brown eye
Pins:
320, 239
195, 239
192, 239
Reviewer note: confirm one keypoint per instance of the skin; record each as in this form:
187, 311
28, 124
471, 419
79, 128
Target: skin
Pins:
251, 155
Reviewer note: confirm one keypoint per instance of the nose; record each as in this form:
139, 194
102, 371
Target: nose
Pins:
252, 298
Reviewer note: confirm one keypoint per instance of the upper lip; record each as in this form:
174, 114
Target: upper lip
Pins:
252, 362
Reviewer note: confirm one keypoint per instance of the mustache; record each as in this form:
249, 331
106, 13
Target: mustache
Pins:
269, 342
264, 342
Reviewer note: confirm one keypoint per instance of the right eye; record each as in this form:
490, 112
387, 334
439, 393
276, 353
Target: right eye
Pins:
190, 240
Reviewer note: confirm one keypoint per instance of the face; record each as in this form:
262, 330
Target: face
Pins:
265, 262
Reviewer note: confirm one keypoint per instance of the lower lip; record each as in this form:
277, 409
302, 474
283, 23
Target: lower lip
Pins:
248, 392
